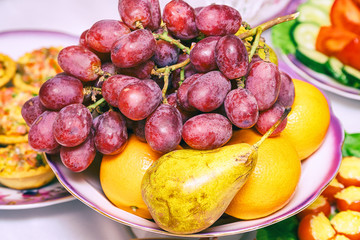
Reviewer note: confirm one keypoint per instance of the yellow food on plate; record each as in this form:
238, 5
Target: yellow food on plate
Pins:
274, 180
35, 67
308, 120
7, 69
23, 168
13, 128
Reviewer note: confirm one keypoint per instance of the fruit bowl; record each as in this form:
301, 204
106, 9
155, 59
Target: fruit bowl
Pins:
317, 171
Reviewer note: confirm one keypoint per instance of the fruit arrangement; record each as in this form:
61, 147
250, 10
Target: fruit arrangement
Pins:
176, 85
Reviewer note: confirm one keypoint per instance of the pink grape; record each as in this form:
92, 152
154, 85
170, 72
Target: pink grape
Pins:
241, 108
79, 158
72, 125
231, 57
287, 90
182, 93
79, 62
102, 34
111, 133
133, 48
61, 91
207, 131
41, 134
104, 57
31, 109
166, 54
269, 117
163, 128
217, 19
209, 91
141, 71
202, 56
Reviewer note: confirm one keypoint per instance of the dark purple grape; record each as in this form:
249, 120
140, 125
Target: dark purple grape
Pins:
209, 91
241, 108
41, 134
231, 57
79, 62
166, 54
146, 12
189, 70
172, 100
109, 67
269, 117
72, 125
61, 91
163, 128
111, 134
79, 158
287, 90
207, 131
112, 87
102, 34
141, 71
31, 109
217, 19
182, 93
139, 129
133, 48
202, 56
138, 100
263, 81
179, 17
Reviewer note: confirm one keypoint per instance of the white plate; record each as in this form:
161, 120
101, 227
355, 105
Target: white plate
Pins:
15, 44
317, 171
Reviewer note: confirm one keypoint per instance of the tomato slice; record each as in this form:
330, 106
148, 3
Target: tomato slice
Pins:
346, 14
350, 54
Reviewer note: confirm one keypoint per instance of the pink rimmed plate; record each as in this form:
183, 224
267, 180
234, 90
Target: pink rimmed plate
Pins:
317, 171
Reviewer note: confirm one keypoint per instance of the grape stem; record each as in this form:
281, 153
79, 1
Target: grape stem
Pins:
255, 43
268, 24
164, 36
171, 68
96, 104
166, 84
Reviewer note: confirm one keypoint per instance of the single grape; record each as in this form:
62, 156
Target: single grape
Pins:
263, 81
139, 129
31, 109
112, 87
102, 34
269, 117
79, 158
179, 17
163, 128
182, 92
202, 56
41, 134
241, 108
146, 12
61, 91
166, 54
104, 57
133, 48
207, 131
287, 90
111, 133
172, 100
138, 100
231, 57
141, 71
217, 19
72, 125
209, 91
79, 62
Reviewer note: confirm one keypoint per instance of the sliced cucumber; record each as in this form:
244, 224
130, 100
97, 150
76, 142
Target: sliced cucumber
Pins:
334, 67
312, 59
313, 13
305, 34
353, 75
323, 4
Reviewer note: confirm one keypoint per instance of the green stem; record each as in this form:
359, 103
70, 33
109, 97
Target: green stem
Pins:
255, 43
173, 67
96, 104
164, 36
166, 85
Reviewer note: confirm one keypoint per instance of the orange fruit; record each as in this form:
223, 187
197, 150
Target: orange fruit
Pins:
274, 180
121, 176
308, 120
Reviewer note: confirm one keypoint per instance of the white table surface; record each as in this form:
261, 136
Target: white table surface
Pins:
74, 220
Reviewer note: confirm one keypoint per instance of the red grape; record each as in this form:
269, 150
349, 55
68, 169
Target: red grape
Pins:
111, 133
142, 71
82, 42
217, 19
209, 91
182, 93
263, 81
241, 108
287, 90
179, 17
72, 125
61, 91
133, 48
172, 100
231, 57
79, 62
166, 54
207, 131
202, 56
269, 117
31, 109
139, 129
102, 34
41, 137
163, 128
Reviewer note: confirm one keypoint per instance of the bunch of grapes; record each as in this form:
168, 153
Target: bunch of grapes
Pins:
182, 75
